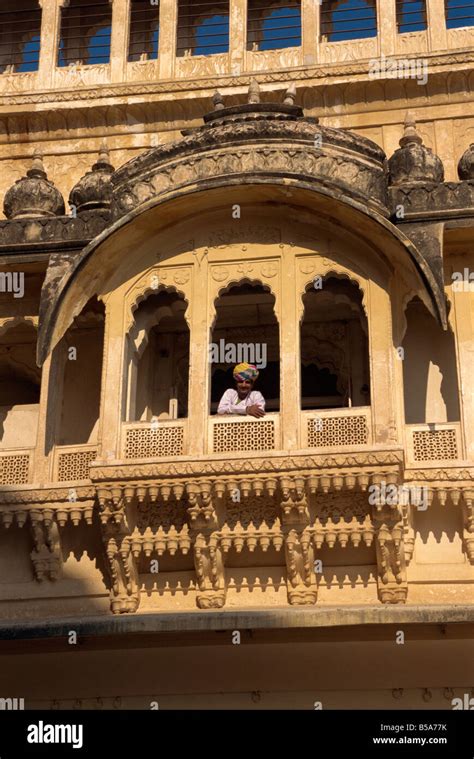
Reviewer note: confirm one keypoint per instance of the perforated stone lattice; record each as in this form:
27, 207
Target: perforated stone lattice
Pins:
325, 432
14, 469
244, 436
75, 465
150, 442
434, 445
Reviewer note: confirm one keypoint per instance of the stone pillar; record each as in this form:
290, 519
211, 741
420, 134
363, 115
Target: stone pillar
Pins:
52, 377
50, 32
387, 26
238, 35
288, 317
167, 38
199, 366
436, 16
119, 40
464, 330
113, 379
382, 372
310, 29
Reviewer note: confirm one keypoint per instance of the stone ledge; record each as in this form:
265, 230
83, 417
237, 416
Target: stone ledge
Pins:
268, 619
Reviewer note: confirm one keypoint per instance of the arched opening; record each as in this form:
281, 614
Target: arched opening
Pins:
20, 36
144, 30
245, 330
429, 369
80, 356
334, 346
20, 381
272, 26
158, 359
86, 32
203, 28
348, 20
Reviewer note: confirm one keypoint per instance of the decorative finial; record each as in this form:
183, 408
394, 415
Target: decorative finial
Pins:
218, 101
37, 166
254, 92
410, 135
290, 95
104, 153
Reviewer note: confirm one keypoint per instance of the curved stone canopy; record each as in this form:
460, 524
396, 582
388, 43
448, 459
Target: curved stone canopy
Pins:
278, 156
256, 140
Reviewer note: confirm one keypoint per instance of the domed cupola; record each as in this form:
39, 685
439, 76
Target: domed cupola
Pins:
94, 190
34, 195
466, 164
413, 162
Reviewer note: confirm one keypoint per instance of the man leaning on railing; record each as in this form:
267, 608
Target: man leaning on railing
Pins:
244, 399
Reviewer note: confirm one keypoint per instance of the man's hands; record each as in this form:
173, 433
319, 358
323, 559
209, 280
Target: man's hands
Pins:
255, 410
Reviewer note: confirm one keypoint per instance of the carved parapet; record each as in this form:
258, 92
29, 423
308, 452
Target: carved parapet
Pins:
56, 229
432, 201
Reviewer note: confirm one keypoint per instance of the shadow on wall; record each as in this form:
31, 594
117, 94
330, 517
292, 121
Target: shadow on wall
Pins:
429, 369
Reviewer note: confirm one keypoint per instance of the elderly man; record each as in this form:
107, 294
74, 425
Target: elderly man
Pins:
243, 400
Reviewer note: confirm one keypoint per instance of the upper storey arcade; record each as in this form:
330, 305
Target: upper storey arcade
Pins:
63, 44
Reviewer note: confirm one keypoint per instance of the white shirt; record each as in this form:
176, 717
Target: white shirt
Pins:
230, 403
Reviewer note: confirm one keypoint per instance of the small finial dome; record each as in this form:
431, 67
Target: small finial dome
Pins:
413, 161
94, 189
33, 195
466, 164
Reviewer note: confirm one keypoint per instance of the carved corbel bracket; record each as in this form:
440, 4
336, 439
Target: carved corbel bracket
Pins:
209, 565
207, 551
46, 554
390, 551
299, 550
301, 578
468, 515
125, 589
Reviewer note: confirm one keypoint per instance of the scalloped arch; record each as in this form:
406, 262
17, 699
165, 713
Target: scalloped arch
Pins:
339, 273
143, 295
241, 281
13, 321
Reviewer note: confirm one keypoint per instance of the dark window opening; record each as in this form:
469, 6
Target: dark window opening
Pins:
158, 359
86, 30
348, 19
459, 13
272, 26
203, 27
20, 382
80, 356
144, 31
334, 347
411, 16
245, 330
20, 37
